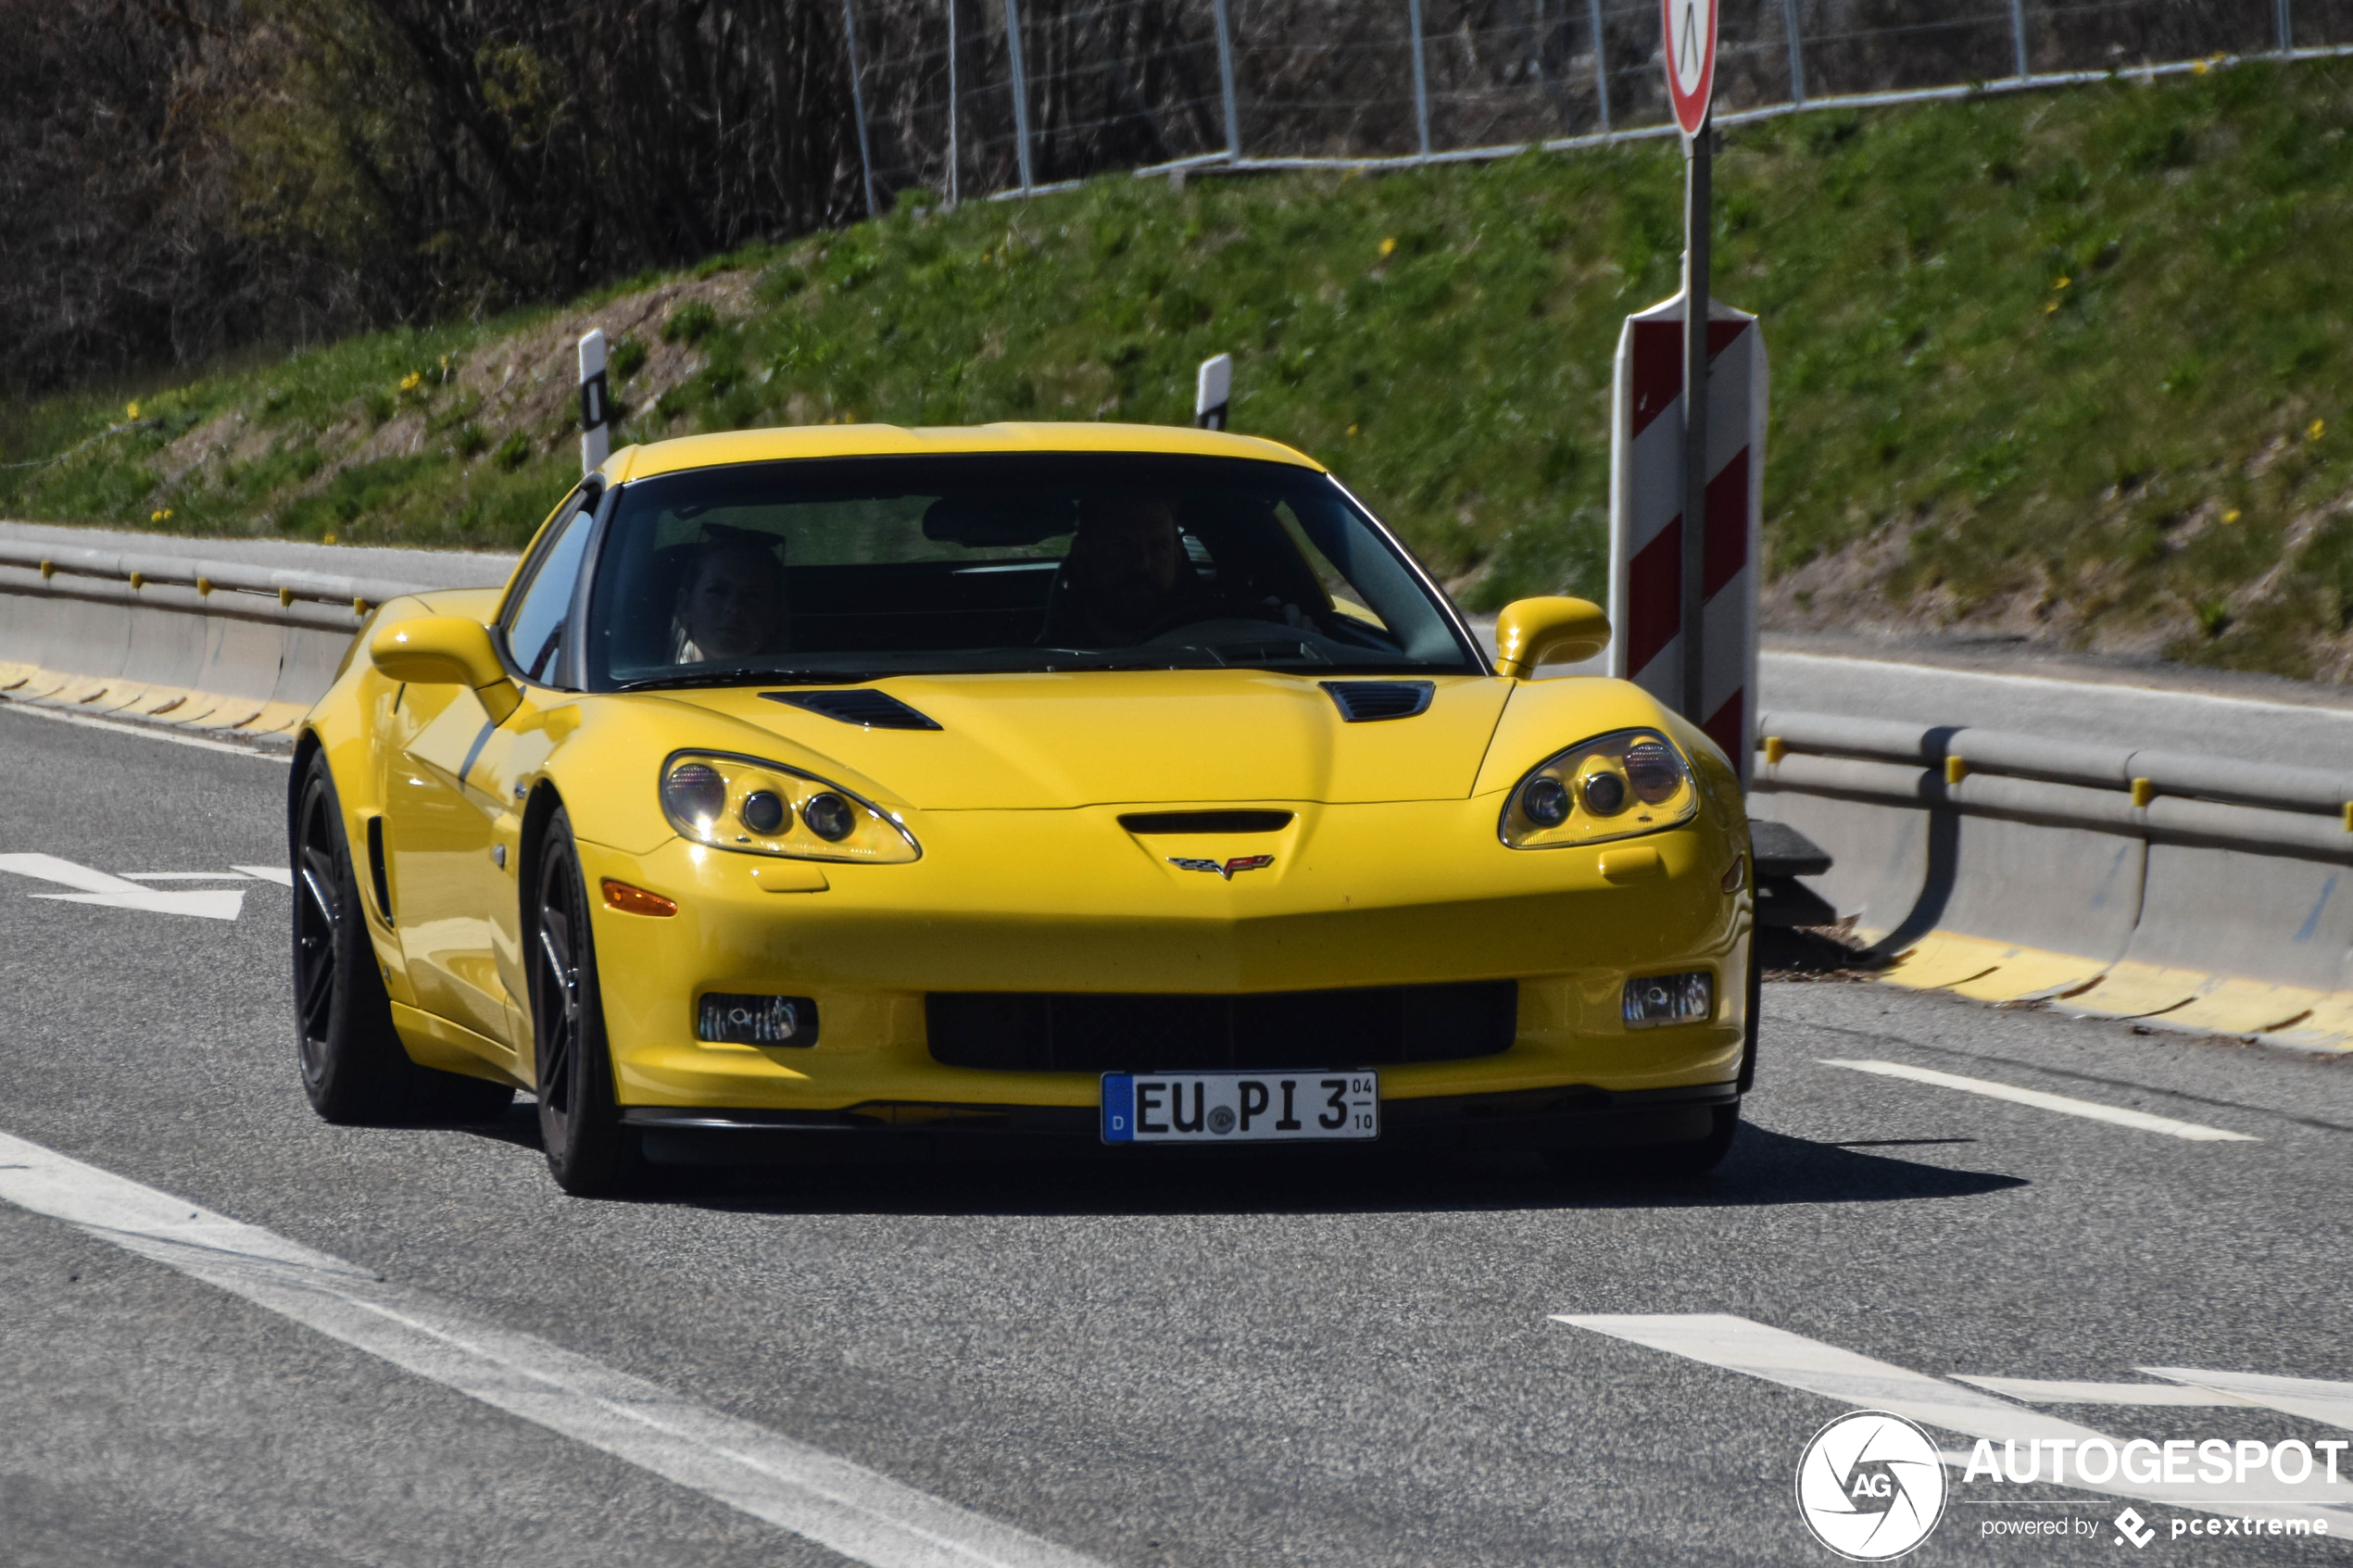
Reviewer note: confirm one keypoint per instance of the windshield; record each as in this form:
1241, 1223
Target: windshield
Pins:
853, 568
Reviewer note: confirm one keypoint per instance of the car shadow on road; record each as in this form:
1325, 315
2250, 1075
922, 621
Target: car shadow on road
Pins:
1764, 1168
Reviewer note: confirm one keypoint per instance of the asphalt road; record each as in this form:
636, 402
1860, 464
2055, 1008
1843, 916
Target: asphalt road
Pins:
1307, 1360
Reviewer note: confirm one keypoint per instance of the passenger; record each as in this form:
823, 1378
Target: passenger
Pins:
732, 604
1126, 573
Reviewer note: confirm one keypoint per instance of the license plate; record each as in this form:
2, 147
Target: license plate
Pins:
1239, 1107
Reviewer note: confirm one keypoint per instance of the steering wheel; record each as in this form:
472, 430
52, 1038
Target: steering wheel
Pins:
1212, 612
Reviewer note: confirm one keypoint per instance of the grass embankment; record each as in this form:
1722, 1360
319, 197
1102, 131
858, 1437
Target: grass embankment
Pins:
2073, 366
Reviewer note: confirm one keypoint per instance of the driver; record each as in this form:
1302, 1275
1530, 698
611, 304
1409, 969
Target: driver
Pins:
732, 604
1127, 570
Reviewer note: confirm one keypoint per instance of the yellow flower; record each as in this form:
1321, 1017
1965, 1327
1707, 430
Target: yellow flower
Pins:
2062, 282
2312, 432
155, 516
133, 412
1388, 248
2198, 68
327, 537
1351, 430
408, 383
2231, 516
2049, 307
167, 514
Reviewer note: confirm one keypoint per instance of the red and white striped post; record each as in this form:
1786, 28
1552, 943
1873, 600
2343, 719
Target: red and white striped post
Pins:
1647, 538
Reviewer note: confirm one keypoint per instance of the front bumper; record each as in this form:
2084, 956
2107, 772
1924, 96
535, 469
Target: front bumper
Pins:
1575, 1118
1399, 894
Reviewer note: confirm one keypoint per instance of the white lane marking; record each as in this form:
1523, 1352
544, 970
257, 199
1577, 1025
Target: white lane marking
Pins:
859, 1513
1794, 1362
1944, 673
183, 876
2091, 1110
117, 893
2059, 1391
150, 731
278, 874
2314, 1399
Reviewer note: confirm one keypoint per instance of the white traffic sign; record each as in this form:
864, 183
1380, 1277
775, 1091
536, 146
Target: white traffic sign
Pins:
1688, 47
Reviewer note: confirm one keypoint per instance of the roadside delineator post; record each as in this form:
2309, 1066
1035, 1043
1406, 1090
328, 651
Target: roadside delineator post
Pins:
596, 404
1213, 390
1648, 542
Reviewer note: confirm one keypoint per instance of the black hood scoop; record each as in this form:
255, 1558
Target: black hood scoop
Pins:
862, 706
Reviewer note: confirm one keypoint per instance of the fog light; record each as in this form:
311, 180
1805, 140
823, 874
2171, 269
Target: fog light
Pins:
731, 1018
1670, 998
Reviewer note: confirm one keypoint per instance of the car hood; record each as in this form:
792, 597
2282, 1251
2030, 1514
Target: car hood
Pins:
1047, 740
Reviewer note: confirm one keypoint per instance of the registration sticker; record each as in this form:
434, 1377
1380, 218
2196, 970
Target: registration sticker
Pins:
1276, 1106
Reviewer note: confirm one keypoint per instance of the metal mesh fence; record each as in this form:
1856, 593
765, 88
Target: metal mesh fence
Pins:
961, 99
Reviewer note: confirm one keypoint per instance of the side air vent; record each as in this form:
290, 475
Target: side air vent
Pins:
1205, 822
376, 882
857, 705
1364, 702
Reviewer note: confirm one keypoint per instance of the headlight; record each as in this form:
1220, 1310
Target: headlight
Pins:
760, 807
1613, 786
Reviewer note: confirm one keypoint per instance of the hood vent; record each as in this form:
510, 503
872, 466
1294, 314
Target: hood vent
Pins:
1205, 822
857, 705
1366, 702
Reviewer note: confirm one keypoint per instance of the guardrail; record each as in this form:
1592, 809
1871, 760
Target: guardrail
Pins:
359, 595
219, 644
2196, 892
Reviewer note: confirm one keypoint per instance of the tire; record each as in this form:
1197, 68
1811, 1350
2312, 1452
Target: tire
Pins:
1696, 1158
1747, 1080
589, 1153
1664, 1162
354, 1069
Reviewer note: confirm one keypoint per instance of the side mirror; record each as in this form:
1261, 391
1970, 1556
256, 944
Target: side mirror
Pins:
446, 650
1547, 631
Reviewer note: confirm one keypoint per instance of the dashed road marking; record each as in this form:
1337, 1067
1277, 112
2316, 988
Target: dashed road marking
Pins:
1792, 1360
120, 893
862, 1515
2065, 1105
2059, 1391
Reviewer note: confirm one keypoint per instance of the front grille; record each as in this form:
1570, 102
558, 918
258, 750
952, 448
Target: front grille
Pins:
1205, 822
1373, 1026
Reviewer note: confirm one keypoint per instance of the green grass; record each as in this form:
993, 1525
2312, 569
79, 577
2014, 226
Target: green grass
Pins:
2071, 363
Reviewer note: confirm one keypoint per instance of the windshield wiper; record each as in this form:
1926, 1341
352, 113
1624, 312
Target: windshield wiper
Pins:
747, 676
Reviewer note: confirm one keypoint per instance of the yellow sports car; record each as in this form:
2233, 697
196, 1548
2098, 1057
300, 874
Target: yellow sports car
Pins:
1068, 785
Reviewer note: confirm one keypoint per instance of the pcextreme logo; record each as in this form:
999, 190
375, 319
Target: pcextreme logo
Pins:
1870, 1486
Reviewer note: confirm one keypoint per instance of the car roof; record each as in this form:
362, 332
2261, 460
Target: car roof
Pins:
878, 441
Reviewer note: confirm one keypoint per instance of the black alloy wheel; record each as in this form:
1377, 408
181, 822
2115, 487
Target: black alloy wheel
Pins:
353, 1069
588, 1153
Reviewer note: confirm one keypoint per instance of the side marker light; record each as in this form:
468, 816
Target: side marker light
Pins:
637, 900
1736, 875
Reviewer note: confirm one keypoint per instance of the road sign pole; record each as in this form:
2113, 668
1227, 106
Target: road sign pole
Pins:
1698, 173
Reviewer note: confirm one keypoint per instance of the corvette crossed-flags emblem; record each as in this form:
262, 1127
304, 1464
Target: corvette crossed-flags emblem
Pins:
1224, 869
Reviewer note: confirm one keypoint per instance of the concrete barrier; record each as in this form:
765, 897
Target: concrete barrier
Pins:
2197, 893
241, 642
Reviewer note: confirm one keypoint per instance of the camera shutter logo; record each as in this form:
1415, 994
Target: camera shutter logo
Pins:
1871, 1486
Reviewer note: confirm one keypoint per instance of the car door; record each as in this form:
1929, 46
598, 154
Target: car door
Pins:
453, 816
